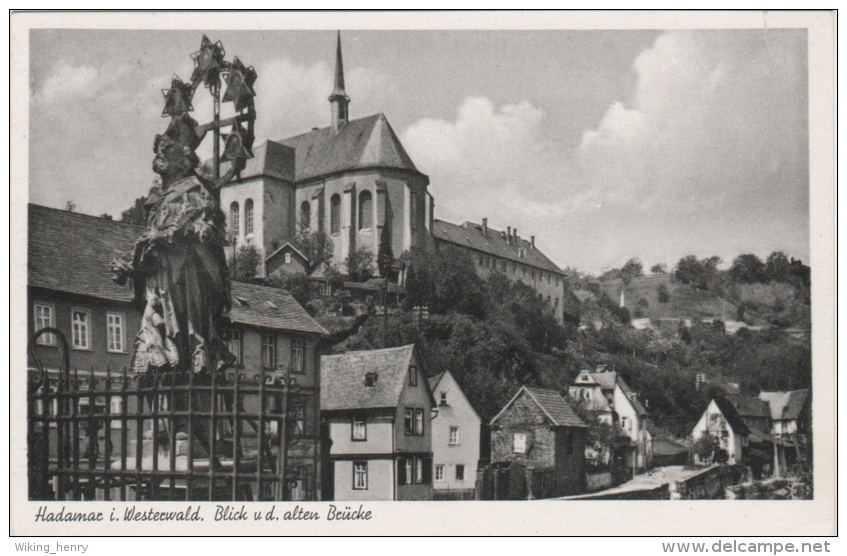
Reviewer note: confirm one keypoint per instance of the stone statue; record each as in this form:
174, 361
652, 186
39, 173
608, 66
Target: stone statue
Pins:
178, 266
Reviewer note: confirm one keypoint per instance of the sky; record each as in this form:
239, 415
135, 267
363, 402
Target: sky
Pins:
605, 145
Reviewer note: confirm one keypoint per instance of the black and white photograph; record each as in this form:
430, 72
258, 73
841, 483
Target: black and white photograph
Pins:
286, 269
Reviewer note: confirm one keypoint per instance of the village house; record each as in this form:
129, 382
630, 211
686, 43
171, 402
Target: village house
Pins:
70, 288
790, 413
630, 415
377, 410
456, 431
539, 429
721, 421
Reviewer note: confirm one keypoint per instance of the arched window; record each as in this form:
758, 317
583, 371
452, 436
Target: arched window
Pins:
248, 217
233, 219
366, 211
305, 215
335, 214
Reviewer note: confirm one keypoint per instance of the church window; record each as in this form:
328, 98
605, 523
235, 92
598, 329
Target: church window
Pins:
365, 210
305, 215
248, 217
335, 214
233, 218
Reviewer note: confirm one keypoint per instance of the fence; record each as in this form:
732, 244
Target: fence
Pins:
166, 436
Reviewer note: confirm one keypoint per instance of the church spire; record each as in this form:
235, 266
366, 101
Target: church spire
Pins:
338, 100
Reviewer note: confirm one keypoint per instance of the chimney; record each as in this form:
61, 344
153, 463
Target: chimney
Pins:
509, 234
515, 231
532, 240
485, 227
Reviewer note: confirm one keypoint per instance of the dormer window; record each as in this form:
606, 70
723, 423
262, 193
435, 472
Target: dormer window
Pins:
370, 379
413, 375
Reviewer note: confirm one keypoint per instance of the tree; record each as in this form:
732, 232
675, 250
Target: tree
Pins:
317, 247
444, 281
136, 214
659, 268
706, 446
631, 269
70, 206
245, 265
106, 216
700, 274
747, 269
662, 293
298, 285
385, 256
359, 264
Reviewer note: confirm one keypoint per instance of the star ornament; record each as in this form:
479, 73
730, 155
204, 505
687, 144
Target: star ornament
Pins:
178, 98
237, 145
239, 85
208, 62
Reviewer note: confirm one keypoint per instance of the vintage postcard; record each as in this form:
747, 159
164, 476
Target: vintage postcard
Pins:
466, 273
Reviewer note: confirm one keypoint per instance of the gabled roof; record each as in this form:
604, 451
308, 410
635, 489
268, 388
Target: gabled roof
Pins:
434, 380
495, 243
557, 409
368, 142
785, 405
732, 417
288, 247
269, 307
748, 406
343, 379
72, 252
609, 379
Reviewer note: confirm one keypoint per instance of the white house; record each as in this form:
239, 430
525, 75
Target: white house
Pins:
723, 422
455, 437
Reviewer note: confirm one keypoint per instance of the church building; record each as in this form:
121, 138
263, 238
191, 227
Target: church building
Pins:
352, 180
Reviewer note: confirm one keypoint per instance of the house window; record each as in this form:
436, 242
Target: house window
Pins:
288, 258
335, 214
44, 319
370, 380
297, 358
115, 332
454, 436
233, 344
460, 472
625, 423
360, 475
233, 219
410, 471
419, 471
419, 422
481, 260
360, 428
305, 215
248, 217
443, 398
519, 443
413, 376
80, 329
326, 288
269, 351
409, 421
439, 472
298, 483
297, 417
366, 212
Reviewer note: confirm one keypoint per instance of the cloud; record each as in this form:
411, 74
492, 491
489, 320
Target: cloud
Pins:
292, 98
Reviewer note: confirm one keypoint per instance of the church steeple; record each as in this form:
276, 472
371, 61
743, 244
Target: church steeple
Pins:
338, 100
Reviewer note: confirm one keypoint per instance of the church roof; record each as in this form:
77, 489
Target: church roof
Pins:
359, 144
495, 243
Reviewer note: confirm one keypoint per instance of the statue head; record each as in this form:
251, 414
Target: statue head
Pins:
175, 156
